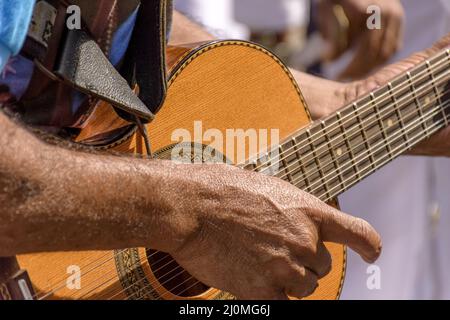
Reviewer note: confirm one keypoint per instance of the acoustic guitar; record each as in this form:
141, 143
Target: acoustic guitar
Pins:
235, 84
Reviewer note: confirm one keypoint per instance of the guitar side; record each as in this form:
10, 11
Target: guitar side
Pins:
222, 85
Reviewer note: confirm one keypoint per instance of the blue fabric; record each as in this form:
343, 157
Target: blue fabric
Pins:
15, 16
18, 72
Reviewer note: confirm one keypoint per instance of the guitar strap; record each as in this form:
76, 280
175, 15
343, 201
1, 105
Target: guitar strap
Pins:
70, 58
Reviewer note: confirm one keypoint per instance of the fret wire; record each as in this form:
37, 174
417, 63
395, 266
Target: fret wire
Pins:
435, 89
380, 123
284, 162
363, 133
347, 144
416, 99
316, 160
447, 54
301, 164
330, 149
398, 113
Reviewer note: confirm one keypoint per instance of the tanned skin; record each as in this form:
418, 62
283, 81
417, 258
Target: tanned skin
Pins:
271, 233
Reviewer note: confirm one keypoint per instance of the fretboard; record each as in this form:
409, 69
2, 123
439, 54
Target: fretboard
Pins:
330, 156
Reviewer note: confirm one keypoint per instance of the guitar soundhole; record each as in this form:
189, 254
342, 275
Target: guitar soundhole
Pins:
172, 277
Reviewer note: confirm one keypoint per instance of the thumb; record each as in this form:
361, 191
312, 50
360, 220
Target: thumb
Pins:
358, 234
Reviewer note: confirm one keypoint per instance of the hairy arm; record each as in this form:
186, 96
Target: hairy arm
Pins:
59, 199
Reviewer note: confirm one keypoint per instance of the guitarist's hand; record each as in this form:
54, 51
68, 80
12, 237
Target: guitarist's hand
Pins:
259, 237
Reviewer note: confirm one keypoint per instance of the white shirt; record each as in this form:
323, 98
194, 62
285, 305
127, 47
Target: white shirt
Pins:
217, 15
234, 18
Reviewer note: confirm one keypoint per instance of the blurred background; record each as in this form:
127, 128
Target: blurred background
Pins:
408, 201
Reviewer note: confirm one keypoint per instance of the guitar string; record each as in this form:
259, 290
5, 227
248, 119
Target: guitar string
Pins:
349, 135
345, 166
340, 123
427, 72
419, 137
50, 286
387, 110
430, 115
308, 175
352, 160
381, 145
135, 264
158, 284
436, 129
350, 132
63, 282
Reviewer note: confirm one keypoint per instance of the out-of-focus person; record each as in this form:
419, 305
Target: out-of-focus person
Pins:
347, 24
217, 16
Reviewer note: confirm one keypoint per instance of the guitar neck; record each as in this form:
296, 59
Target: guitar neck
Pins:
332, 155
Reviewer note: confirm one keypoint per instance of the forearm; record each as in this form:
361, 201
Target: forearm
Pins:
56, 199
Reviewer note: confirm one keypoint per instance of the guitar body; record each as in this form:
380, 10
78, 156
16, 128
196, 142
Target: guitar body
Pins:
224, 85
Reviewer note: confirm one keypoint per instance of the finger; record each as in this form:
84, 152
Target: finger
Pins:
365, 55
302, 283
359, 235
392, 40
375, 47
355, 69
399, 32
317, 260
322, 264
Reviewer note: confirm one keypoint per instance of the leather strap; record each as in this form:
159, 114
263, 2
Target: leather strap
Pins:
145, 62
84, 67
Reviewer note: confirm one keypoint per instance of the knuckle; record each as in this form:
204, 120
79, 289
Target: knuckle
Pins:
308, 246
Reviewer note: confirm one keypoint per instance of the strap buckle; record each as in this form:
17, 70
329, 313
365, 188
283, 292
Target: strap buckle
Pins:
18, 287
